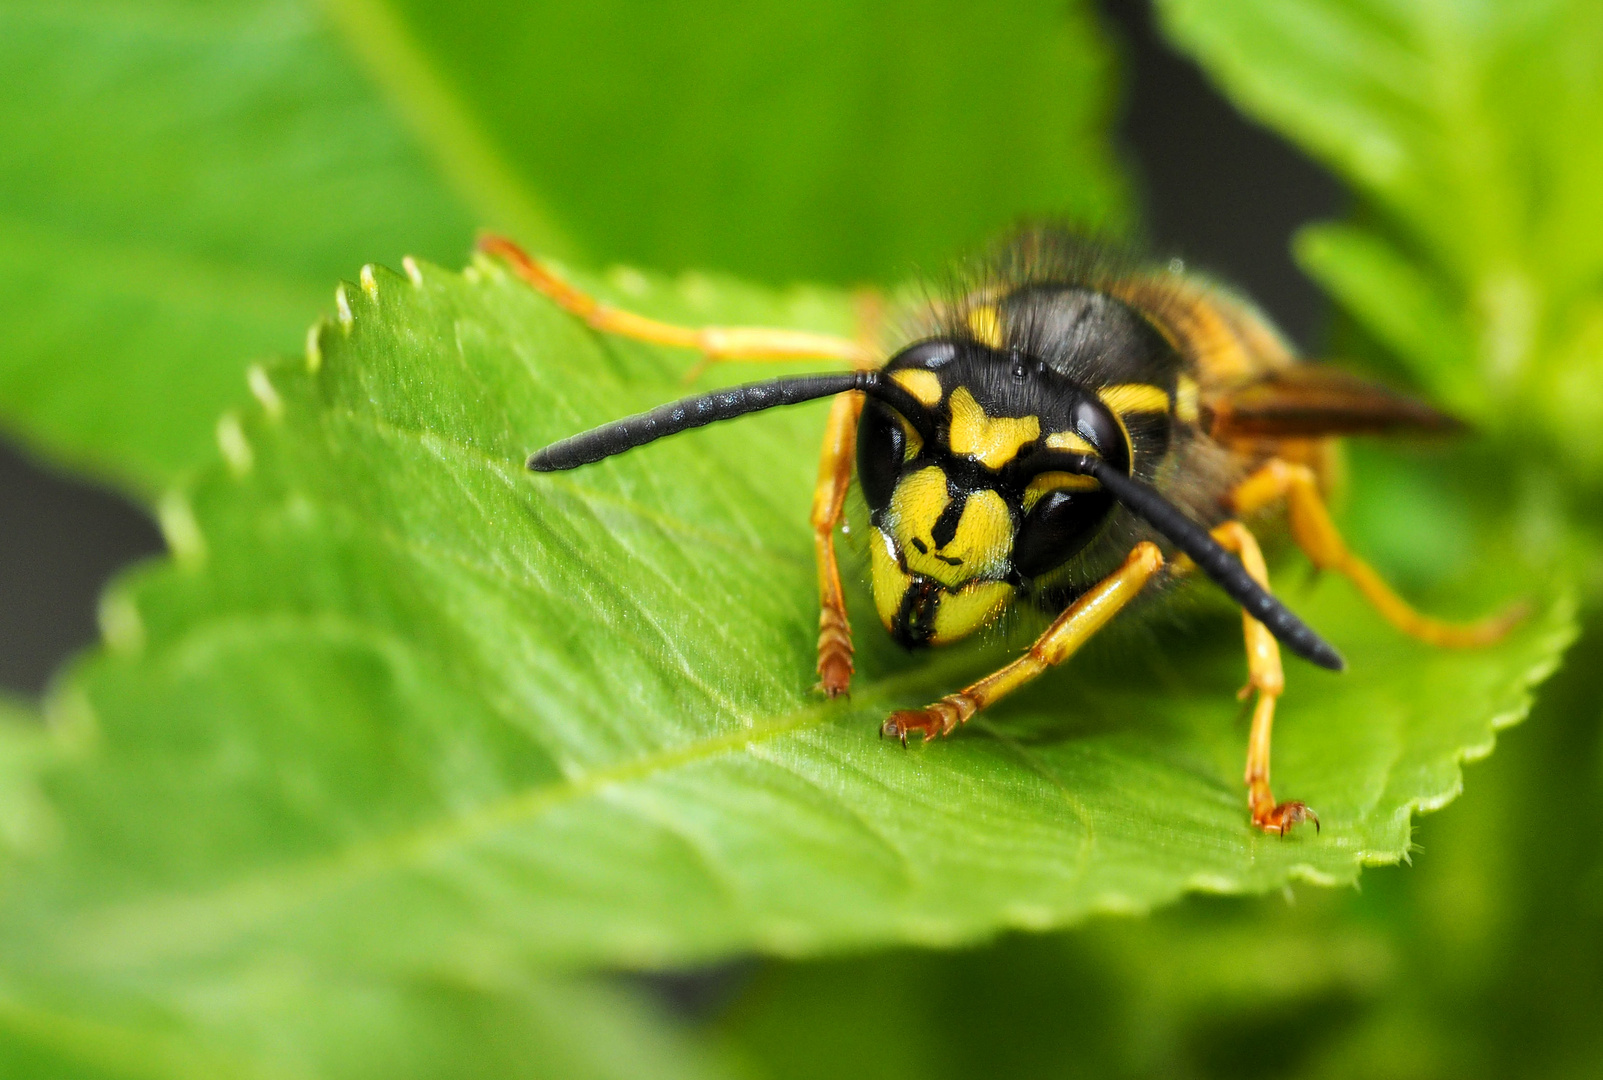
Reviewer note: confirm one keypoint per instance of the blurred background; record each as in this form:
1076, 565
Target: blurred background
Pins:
1482, 958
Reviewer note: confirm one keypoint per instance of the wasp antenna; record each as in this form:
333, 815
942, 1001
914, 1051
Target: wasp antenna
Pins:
1224, 568
726, 404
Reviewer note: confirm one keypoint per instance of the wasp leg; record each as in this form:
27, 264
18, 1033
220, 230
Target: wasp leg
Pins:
1264, 674
1316, 534
1061, 640
714, 342
829, 497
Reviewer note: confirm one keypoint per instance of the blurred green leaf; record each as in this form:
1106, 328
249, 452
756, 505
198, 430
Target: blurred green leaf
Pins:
1161, 998
1473, 133
280, 1019
822, 140
401, 703
27, 748
182, 179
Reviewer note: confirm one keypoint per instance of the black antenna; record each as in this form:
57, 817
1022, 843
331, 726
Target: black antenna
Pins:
726, 404
1224, 568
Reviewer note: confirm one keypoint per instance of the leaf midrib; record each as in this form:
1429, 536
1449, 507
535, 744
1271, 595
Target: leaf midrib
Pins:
194, 923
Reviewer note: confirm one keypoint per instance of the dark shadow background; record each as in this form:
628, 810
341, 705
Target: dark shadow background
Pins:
1217, 190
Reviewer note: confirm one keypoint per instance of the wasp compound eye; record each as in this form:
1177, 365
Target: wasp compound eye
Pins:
1057, 528
881, 449
931, 355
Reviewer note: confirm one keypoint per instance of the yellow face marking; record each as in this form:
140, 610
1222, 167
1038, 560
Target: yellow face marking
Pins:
924, 385
1056, 481
890, 583
957, 613
916, 504
992, 442
1186, 399
1069, 440
1134, 398
913, 442
986, 325
979, 545
961, 613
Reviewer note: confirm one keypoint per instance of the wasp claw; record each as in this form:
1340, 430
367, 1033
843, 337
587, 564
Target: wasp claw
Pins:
938, 719
1283, 817
832, 692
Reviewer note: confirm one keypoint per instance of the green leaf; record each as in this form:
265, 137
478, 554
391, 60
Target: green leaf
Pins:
27, 748
1180, 995
181, 180
1477, 960
1473, 134
401, 704
280, 1019
815, 140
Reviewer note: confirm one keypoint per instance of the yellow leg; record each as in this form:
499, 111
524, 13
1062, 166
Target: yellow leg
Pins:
829, 497
1316, 534
1265, 676
1061, 640
714, 342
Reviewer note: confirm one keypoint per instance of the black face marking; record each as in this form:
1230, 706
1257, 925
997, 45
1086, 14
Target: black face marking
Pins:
945, 528
919, 544
915, 619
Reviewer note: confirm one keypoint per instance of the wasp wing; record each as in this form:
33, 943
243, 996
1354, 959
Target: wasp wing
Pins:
1311, 400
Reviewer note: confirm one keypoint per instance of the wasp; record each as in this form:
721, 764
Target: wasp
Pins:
1067, 430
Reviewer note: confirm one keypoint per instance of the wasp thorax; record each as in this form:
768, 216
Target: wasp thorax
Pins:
962, 518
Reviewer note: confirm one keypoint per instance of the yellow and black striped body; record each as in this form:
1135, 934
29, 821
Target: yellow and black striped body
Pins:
1051, 351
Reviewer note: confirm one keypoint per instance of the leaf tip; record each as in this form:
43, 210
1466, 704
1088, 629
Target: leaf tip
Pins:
314, 343
120, 623
181, 530
368, 280
342, 308
234, 446
262, 388
413, 272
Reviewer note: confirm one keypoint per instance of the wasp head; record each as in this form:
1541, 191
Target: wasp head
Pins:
962, 518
